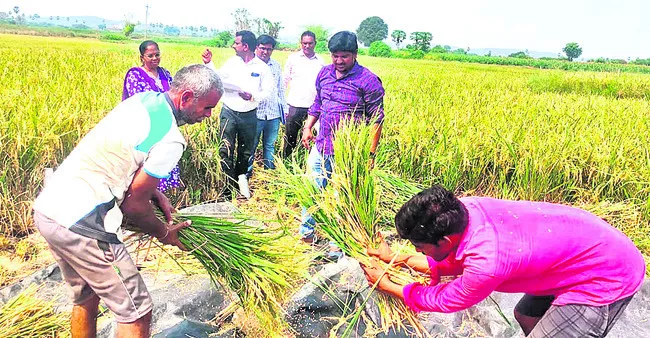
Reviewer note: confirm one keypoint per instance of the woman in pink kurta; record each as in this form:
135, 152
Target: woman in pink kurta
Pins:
567, 261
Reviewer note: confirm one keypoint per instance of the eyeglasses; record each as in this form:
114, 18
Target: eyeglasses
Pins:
266, 49
151, 56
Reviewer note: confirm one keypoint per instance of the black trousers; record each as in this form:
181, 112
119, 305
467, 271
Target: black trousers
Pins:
293, 127
237, 131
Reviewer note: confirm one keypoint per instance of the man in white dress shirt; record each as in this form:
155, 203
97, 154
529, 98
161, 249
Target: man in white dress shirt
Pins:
247, 81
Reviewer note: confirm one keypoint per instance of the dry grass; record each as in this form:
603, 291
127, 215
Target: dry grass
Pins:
20, 258
28, 316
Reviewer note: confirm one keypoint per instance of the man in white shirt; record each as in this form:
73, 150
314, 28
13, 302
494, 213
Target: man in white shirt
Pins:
114, 171
247, 81
300, 73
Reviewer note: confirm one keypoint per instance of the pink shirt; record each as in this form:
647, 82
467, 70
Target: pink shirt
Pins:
535, 248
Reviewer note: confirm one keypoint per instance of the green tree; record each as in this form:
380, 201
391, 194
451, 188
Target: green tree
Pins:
273, 28
265, 26
257, 26
322, 33
438, 49
520, 55
380, 49
421, 41
171, 30
242, 19
398, 37
128, 29
223, 38
372, 29
572, 50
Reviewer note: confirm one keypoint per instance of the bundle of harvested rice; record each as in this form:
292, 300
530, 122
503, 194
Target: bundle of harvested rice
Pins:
28, 316
350, 209
259, 264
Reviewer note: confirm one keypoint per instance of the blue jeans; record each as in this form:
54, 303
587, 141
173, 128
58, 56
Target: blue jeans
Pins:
268, 129
320, 167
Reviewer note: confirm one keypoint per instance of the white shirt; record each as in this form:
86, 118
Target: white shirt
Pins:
299, 75
85, 192
253, 77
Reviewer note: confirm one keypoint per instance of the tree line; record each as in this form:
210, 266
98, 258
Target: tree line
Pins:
371, 32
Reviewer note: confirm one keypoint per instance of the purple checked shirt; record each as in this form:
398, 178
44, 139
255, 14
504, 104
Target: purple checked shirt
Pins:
359, 94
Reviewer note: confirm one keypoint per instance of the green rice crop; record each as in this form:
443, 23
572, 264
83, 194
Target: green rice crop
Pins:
501, 131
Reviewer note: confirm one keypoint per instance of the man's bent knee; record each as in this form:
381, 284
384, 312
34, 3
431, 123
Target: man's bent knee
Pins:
140, 327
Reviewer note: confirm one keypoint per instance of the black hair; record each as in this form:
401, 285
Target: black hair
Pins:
308, 33
344, 41
265, 40
431, 215
248, 38
145, 44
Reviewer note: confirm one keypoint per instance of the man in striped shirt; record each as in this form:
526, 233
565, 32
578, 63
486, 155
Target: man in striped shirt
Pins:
269, 109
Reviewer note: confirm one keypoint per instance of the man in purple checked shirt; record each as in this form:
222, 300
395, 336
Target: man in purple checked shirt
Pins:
344, 89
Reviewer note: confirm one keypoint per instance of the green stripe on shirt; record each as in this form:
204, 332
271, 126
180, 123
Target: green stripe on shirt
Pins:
160, 117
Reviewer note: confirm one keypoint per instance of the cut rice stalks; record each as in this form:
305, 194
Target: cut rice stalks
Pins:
28, 316
259, 264
350, 209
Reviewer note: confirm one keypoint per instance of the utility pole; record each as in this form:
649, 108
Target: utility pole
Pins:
146, 19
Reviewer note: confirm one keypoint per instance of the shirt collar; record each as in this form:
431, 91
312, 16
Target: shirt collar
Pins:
176, 112
475, 218
355, 69
255, 59
309, 58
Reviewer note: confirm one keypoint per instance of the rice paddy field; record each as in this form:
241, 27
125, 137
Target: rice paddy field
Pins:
580, 138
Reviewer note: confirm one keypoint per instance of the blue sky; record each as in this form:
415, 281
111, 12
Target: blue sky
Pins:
613, 29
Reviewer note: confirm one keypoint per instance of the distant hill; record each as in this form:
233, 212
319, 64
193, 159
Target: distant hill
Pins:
94, 22
69, 21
